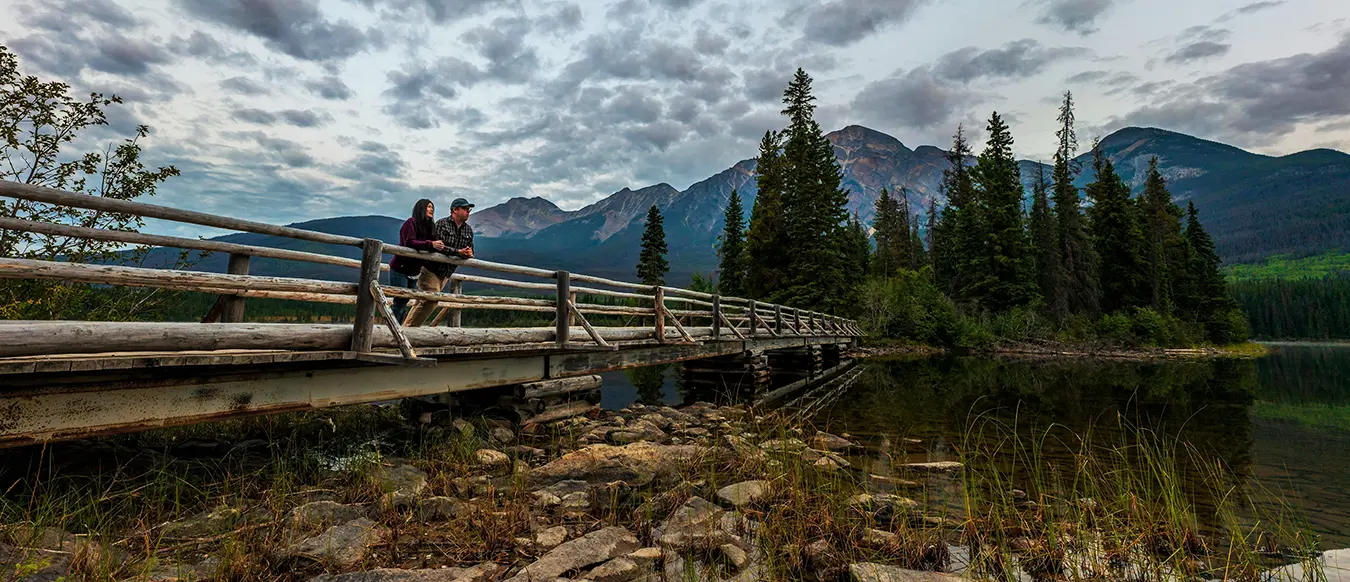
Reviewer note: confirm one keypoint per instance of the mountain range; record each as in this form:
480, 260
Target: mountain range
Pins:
1253, 205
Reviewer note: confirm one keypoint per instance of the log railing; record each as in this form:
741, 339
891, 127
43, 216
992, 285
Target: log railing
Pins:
726, 318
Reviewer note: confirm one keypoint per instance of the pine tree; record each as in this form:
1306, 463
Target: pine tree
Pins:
1009, 279
814, 207
931, 255
1081, 290
766, 239
1045, 244
905, 247
1164, 246
959, 248
731, 266
1204, 298
919, 257
857, 257
652, 266
1118, 237
886, 225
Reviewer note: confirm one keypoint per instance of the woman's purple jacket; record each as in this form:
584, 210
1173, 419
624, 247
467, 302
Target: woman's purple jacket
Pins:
407, 237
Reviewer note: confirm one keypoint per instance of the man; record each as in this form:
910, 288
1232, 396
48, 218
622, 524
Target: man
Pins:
456, 236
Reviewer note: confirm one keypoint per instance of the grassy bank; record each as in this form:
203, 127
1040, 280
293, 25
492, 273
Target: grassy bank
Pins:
223, 501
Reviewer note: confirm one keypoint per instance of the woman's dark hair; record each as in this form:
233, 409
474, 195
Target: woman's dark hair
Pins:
426, 228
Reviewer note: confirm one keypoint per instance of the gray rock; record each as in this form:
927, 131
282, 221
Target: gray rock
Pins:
869, 572
501, 435
551, 537
884, 505
933, 467
829, 442
491, 460
324, 514
479, 573
38, 565
463, 426
646, 557
438, 508
402, 483
743, 493
782, 446
696, 524
592, 548
636, 464
620, 569
525, 452
343, 546
734, 556
877, 537
206, 523
1334, 566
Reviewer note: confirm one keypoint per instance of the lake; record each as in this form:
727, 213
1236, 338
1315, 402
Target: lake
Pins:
1280, 424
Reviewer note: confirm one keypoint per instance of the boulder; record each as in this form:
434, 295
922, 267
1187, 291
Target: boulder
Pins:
829, 442
551, 537
620, 569
743, 493
869, 572
438, 508
343, 546
324, 514
636, 464
696, 524
206, 523
402, 483
592, 548
491, 460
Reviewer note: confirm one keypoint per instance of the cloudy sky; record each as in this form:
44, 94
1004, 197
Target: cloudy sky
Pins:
284, 110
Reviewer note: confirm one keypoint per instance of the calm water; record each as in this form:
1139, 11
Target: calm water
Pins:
1282, 421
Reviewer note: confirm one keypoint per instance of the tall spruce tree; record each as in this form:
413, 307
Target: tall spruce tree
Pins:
652, 265
814, 207
1045, 244
731, 264
960, 248
1082, 293
931, 256
1009, 279
1118, 237
857, 257
905, 244
1205, 294
886, 233
918, 256
1164, 246
766, 240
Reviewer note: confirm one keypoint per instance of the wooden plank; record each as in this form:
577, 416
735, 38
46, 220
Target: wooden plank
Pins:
137, 238
595, 335
660, 313
465, 299
142, 277
382, 307
562, 318
363, 325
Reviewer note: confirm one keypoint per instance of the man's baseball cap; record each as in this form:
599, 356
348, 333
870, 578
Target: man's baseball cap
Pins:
458, 202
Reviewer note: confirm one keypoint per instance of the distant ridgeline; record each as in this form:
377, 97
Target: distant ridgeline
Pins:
1305, 298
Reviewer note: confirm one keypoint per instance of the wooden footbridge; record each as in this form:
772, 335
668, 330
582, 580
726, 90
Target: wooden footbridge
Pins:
72, 379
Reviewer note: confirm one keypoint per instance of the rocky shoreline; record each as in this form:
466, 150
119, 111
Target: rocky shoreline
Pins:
646, 493
1055, 351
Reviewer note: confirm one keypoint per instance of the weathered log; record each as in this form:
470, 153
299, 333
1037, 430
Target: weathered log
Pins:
560, 412
142, 277
557, 386
465, 299
233, 309
595, 335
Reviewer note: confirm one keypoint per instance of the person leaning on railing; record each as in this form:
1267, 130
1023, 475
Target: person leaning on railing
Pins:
456, 238
418, 232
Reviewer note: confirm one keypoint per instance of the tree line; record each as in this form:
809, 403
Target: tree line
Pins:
1067, 268
1311, 308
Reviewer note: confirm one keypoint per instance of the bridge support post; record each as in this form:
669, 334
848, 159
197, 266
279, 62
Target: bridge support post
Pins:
750, 315
778, 319
564, 315
456, 314
659, 305
363, 330
791, 364
737, 377
716, 317
233, 311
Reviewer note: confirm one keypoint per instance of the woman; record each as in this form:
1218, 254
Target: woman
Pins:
418, 232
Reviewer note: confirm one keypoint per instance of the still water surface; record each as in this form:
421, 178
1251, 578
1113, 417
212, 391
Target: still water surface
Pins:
1281, 421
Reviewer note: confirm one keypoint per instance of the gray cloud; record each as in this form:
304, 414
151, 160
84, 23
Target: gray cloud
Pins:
244, 86
1017, 59
677, 4
419, 93
438, 11
565, 17
916, 99
331, 88
294, 27
290, 153
503, 45
204, 46
710, 43
296, 117
1198, 51
1255, 103
629, 56
1078, 16
1252, 8
844, 22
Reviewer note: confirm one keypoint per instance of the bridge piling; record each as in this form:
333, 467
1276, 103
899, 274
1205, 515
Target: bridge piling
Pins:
363, 328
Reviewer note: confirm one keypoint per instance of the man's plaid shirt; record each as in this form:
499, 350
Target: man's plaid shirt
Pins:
455, 238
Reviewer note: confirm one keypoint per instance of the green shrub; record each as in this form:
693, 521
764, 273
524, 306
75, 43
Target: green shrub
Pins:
1229, 327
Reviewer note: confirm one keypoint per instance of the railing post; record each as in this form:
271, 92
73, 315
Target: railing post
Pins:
751, 315
456, 314
778, 319
573, 298
659, 305
564, 326
717, 317
363, 330
233, 311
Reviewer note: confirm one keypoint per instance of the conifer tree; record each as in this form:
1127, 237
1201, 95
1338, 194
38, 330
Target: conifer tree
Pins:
1205, 294
1118, 237
652, 265
731, 265
857, 257
917, 252
883, 232
905, 247
814, 207
1076, 252
1045, 243
766, 239
931, 256
1164, 246
1009, 277
960, 247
